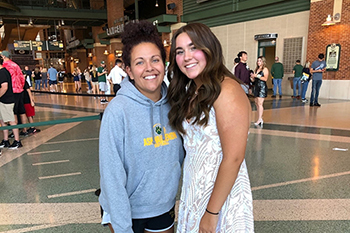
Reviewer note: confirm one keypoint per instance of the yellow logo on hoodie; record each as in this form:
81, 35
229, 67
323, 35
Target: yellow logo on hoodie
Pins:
159, 140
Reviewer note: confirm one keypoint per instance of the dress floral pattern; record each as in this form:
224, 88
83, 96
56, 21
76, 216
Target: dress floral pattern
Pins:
203, 158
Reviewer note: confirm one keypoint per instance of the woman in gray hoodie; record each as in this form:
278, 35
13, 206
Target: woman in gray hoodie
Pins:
140, 153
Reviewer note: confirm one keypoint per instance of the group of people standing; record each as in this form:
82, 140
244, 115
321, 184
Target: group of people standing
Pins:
148, 128
41, 78
99, 80
303, 75
254, 81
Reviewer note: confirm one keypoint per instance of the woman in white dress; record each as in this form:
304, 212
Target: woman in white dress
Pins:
212, 112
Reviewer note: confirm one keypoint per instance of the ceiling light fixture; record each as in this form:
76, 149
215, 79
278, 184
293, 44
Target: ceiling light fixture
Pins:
156, 3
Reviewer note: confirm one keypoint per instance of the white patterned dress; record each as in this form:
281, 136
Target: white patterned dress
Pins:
203, 158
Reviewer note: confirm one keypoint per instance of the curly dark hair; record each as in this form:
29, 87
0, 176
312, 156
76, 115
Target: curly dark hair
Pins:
184, 102
136, 33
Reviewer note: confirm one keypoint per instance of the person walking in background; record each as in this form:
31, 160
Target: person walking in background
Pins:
28, 101
37, 78
88, 79
116, 75
305, 81
79, 75
102, 81
52, 76
277, 72
209, 108
259, 78
94, 80
28, 76
318, 67
43, 71
76, 79
235, 63
242, 71
60, 77
140, 154
298, 72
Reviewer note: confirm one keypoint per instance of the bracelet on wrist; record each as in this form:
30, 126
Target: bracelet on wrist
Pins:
211, 212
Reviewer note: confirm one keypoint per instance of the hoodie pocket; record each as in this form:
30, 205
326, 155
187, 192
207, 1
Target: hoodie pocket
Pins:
158, 186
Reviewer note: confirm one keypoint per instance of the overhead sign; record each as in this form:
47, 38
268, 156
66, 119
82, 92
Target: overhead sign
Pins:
22, 45
266, 36
54, 45
116, 30
38, 45
73, 44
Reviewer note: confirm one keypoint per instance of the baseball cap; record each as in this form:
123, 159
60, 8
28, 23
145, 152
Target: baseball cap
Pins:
102, 62
5, 54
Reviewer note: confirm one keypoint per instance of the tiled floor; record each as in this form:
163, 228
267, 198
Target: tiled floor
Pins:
299, 166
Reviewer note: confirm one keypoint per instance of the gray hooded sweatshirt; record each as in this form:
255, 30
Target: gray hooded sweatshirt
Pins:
140, 158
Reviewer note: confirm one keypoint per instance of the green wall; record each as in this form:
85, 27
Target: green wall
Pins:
222, 12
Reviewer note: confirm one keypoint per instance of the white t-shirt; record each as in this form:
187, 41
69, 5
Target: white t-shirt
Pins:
116, 75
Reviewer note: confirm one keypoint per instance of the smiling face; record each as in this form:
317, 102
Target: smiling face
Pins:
190, 60
147, 70
259, 62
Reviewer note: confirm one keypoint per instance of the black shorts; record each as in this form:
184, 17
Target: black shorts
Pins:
18, 108
52, 82
116, 87
160, 223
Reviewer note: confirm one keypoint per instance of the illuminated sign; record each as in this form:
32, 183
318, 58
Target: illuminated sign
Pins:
37, 45
266, 36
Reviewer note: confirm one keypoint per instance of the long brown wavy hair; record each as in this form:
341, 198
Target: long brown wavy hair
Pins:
263, 59
184, 101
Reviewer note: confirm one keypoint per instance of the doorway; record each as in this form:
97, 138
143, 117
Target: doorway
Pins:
267, 48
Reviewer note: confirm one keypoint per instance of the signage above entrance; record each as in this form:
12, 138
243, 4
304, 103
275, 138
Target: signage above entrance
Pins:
31, 45
266, 36
116, 30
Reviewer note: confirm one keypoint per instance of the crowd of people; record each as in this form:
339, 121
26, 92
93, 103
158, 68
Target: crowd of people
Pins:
43, 79
254, 84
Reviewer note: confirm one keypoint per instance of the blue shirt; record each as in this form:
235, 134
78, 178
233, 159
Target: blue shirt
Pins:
318, 65
52, 74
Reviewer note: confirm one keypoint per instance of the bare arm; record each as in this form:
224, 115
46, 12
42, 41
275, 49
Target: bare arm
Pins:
316, 71
233, 123
3, 89
30, 97
266, 74
99, 74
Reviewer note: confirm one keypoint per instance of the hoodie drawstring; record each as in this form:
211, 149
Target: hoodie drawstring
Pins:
161, 123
